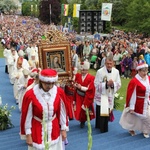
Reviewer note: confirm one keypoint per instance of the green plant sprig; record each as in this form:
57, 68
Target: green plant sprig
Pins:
89, 130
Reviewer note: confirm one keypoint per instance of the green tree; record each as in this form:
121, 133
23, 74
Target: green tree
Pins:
8, 6
138, 16
119, 12
30, 8
55, 16
63, 1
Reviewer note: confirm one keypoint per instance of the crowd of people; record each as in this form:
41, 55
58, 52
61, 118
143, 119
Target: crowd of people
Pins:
127, 50
39, 98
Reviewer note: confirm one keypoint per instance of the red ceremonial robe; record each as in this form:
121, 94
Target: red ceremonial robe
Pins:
140, 90
86, 100
38, 105
69, 91
30, 81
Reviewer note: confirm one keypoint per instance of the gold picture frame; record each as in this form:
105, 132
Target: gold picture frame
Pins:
56, 56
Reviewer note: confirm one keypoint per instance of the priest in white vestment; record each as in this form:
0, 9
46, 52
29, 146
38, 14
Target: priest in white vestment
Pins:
107, 83
12, 59
6, 54
22, 85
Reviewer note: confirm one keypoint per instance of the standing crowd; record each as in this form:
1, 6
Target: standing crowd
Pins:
46, 108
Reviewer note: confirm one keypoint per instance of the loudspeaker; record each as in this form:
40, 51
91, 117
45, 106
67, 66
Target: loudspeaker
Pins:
83, 24
90, 21
88, 24
83, 29
83, 18
95, 24
88, 29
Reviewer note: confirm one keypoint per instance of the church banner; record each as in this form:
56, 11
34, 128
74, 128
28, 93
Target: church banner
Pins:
76, 9
64, 9
106, 11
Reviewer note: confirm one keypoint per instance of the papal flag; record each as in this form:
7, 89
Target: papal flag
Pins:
76, 9
106, 11
64, 9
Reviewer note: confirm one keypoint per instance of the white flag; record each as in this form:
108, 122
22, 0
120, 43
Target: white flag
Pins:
106, 11
76, 9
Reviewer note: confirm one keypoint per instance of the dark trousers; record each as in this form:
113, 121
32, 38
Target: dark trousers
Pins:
6, 69
101, 122
119, 68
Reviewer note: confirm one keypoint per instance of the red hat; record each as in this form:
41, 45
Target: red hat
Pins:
48, 75
142, 65
35, 70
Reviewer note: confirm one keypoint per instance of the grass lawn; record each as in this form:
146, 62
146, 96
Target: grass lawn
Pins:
122, 90
1, 51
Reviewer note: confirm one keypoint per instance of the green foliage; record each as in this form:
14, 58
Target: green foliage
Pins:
75, 22
8, 6
123, 28
27, 11
138, 15
63, 1
107, 27
119, 12
132, 15
5, 113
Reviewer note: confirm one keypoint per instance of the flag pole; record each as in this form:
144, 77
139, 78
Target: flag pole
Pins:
62, 16
50, 12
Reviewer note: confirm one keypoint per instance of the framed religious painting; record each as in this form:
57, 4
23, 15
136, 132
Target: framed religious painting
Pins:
56, 54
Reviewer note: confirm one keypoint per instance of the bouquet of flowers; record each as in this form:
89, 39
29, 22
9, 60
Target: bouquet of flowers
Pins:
116, 98
5, 114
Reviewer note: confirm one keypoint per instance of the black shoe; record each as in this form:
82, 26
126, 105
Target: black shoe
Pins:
103, 131
82, 124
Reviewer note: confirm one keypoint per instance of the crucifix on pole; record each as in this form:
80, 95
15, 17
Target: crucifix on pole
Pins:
50, 12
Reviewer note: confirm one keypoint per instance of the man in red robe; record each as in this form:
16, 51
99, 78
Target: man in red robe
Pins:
84, 94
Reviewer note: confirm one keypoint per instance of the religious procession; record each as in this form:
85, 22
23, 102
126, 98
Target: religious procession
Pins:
59, 76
